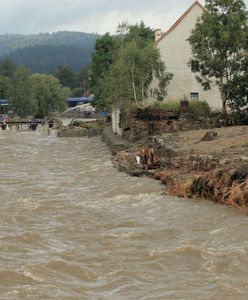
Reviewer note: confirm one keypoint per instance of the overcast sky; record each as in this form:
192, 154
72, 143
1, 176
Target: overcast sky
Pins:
35, 16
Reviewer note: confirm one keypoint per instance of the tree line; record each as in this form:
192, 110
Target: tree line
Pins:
47, 58
45, 52
35, 94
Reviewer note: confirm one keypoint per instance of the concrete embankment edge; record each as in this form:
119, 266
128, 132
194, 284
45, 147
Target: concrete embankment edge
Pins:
114, 141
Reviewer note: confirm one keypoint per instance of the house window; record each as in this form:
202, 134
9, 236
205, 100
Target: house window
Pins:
194, 96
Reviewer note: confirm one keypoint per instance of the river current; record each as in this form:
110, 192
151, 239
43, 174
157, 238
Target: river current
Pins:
73, 227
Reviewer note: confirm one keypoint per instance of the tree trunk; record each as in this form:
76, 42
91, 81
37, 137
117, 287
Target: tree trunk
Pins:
224, 100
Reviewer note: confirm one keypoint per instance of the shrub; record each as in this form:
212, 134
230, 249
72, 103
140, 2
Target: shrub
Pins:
239, 117
166, 106
199, 109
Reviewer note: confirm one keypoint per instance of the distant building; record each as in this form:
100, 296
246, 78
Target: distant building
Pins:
4, 103
80, 111
79, 100
176, 53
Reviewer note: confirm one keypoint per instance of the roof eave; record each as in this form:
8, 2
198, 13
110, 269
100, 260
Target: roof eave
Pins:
180, 19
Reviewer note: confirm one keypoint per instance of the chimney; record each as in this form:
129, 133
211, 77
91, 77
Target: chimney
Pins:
158, 34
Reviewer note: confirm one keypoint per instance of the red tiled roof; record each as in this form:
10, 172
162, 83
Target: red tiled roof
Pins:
181, 18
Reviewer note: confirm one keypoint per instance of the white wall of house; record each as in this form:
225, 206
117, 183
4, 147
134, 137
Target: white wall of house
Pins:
176, 52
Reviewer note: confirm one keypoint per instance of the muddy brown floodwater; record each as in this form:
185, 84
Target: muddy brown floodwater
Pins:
73, 227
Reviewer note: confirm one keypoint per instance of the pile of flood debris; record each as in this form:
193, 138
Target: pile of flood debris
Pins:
54, 123
80, 128
143, 160
216, 169
223, 186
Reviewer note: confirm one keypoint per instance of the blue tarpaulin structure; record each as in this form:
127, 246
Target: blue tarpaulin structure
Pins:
4, 102
81, 100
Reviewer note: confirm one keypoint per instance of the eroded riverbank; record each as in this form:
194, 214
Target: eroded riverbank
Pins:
197, 163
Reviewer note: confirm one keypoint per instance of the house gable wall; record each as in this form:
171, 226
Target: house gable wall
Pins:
176, 52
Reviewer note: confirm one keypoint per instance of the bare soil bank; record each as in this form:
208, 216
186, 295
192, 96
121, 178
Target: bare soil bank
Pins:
198, 163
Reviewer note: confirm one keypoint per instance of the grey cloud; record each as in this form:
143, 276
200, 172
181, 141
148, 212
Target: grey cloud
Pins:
33, 16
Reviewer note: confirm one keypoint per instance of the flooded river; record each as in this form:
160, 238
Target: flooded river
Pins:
73, 227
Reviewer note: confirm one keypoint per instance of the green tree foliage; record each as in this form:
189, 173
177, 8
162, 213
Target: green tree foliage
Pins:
218, 43
66, 77
44, 52
48, 93
131, 75
4, 87
36, 94
238, 88
102, 58
77, 82
47, 58
21, 92
140, 33
11, 42
77, 92
7, 67
136, 63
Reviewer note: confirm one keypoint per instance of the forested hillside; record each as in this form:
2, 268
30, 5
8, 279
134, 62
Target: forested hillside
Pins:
46, 51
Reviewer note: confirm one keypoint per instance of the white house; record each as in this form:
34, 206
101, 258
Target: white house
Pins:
176, 53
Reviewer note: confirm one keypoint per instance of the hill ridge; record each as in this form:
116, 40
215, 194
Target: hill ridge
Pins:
26, 49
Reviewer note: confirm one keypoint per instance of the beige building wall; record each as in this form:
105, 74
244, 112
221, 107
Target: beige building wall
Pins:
176, 52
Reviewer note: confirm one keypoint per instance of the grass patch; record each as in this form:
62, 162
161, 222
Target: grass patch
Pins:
166, 106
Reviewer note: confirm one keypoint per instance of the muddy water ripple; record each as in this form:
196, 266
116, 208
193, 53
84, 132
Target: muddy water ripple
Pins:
72, 227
